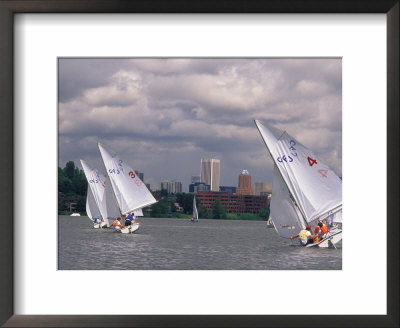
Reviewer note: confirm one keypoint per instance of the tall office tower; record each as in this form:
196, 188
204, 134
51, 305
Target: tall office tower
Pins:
209, 172
140, 175
172, 187
263, 188
244, 187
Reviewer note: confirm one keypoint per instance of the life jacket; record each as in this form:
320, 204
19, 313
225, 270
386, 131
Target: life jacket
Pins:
324, 229
303, 234
115, 223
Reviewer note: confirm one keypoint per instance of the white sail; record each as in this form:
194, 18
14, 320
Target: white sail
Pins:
285, 215
91, 207
111, 204
138, 212
195, 213
131, 193
102, 193
315, 188
97, 183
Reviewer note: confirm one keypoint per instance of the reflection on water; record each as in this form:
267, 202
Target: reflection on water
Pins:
177, 244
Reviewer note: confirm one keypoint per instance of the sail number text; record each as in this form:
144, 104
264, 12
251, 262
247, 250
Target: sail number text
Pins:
137, 181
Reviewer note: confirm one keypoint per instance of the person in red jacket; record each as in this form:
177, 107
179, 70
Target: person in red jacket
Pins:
324, 230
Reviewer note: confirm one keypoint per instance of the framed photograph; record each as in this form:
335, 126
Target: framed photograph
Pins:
63, 56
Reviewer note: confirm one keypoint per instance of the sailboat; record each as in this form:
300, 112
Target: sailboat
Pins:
195, 217
130, 192
100, 202
304, 190
93, 211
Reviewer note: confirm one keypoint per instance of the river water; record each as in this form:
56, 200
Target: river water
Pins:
178, 244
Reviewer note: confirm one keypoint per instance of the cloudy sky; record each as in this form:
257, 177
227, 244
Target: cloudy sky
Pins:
163, 115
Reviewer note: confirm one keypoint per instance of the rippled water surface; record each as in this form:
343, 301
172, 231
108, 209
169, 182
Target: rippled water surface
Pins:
178, 244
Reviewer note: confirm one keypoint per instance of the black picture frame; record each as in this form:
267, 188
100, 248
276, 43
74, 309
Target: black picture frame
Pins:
10, 7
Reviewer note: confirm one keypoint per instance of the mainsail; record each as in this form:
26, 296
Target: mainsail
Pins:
195, 213
131, 193
92, 209
314, 189
100, 190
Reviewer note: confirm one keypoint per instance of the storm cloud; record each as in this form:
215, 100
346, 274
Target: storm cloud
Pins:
163, 115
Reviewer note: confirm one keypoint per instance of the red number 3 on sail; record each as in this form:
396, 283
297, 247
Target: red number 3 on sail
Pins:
132, 175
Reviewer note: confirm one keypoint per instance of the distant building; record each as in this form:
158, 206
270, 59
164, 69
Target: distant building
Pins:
233, 203
194, 179
227, 189
261, 188
140, 175
244, 187
210, 172
198, 186
172, 187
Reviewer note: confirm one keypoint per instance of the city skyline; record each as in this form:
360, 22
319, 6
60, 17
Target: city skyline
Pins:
163, 115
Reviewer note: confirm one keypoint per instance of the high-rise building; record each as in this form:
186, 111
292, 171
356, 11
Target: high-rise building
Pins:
244, 187
263, 188
140, 175
209, 172
227, 189
172, 187
198, 186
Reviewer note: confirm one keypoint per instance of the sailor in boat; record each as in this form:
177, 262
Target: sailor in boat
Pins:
129, 219
117, 225
305, 236
317, 232
324, 230
98, 221
192, 219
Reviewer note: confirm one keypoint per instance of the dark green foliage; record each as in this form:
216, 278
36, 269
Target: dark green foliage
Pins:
72, 187
218, 211
160, 209
69, 170
186, 201
203, 213
264, 213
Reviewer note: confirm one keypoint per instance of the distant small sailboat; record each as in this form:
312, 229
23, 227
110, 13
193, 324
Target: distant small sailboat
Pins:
100, 202
303, 188
130, 192
195, 217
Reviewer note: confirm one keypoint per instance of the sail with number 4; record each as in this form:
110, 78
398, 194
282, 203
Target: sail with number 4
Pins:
131, 193
304, 189
195, 213
100, 190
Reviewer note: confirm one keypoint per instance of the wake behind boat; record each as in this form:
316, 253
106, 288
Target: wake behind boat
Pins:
130, 192
304, 190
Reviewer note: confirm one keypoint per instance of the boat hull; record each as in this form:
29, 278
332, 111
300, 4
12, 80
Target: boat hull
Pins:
100, 225
330, 241
129, 229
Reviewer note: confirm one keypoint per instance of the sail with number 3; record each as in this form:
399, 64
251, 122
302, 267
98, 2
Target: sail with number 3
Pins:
131, 193
304, 189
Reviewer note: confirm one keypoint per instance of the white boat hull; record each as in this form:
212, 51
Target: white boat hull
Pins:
129, 229
329, 242
100, 225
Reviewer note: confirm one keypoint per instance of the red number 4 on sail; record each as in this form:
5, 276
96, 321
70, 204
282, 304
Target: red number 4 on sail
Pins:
311, 161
